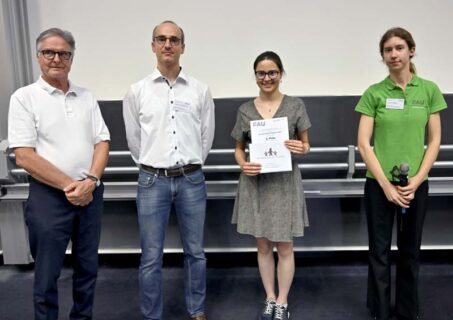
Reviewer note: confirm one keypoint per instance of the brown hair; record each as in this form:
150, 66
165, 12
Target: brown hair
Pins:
272, 56
400, 33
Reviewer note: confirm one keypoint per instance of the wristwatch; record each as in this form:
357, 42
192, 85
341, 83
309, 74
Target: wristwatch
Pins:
95, 179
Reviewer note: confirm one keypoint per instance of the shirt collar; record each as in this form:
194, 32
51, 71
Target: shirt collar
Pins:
50, 89
415, 81
156, 75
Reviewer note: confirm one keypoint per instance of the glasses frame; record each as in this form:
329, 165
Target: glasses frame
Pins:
50, 54
261, 75
174, 41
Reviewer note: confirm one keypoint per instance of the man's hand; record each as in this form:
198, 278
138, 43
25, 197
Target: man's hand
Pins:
80, 193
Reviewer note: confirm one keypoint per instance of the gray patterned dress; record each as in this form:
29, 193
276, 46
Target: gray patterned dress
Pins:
271, 205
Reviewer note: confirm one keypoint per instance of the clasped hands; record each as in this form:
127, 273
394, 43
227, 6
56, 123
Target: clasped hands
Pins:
80, 192
402, 196
295, 146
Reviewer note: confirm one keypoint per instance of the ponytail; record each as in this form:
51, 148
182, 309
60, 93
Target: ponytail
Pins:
412, 68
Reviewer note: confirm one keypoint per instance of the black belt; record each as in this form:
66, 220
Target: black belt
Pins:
174, 172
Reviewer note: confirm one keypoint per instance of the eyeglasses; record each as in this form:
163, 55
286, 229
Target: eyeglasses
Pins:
50, 54
273, 74
162, 40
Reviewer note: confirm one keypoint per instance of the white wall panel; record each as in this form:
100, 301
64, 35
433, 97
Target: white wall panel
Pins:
328, 47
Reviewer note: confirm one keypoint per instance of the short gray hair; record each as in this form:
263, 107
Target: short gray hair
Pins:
172, 22
56, 32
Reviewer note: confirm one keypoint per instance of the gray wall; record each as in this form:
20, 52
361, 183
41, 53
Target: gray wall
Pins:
7, 81
15, 54
335, 223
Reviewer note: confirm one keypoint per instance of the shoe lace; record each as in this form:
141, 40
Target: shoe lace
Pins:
269, 307
279, 312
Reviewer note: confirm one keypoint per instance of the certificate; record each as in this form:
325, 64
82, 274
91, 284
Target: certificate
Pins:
267, 147
267, 130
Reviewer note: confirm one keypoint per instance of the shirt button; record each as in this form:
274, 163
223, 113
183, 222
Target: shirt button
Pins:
174, 132
177, 162
172, 117
171, 88
176, 148
171, 101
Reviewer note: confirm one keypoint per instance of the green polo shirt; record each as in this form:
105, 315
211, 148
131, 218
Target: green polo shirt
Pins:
400, 119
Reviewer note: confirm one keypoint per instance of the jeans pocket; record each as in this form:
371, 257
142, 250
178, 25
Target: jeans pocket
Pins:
145, 179
195, 177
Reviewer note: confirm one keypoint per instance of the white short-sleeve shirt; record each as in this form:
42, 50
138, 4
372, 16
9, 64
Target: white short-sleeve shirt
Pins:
62, 128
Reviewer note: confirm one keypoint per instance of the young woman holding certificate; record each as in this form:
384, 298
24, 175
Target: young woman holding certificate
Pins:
397, 111
271, 206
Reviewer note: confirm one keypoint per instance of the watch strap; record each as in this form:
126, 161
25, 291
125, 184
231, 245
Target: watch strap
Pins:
95, 179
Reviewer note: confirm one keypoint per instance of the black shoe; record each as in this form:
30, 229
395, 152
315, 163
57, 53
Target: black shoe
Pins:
281, 312
268, 310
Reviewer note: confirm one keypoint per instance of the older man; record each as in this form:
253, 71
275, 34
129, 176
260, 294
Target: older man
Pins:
59, 137
169, 119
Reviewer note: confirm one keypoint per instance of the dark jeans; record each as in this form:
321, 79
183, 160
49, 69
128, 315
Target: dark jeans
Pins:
380, 216
52, 221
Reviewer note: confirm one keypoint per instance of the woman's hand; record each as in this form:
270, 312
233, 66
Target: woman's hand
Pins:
408, 192
251, 168
393, 195
297, 146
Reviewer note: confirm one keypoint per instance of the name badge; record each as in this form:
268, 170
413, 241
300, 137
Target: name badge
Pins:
181, 106
394, 104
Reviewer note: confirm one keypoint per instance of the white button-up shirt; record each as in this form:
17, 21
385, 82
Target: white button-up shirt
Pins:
169, 125
62, 128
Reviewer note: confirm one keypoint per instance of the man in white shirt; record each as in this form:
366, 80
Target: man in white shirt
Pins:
58, 136
169, 118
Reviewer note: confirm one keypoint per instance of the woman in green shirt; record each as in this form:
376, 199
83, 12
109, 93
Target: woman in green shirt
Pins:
397, 111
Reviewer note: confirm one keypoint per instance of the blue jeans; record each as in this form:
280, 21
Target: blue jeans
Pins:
156, 195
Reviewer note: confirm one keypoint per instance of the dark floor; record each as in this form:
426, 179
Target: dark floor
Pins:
321, 291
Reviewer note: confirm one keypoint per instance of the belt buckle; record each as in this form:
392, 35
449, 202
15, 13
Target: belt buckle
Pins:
172, 172
180, 171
